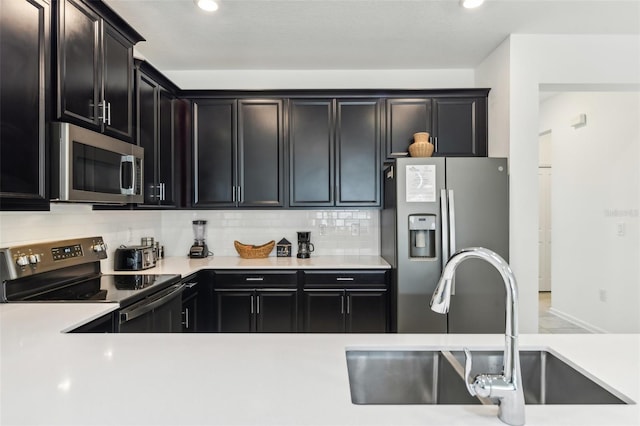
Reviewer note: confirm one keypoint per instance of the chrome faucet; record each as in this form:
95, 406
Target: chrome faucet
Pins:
506, 387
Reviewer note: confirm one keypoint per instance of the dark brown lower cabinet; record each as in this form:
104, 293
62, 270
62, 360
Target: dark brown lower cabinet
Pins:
345, 311
256, 310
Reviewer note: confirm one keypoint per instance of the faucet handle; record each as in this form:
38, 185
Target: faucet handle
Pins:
468, 360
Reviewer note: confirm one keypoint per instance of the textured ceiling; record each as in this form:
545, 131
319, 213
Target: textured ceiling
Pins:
355, 34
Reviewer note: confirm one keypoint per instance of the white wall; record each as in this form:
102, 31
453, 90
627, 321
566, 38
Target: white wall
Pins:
535, 60
322, 79
78, 220
333, 232
596, 188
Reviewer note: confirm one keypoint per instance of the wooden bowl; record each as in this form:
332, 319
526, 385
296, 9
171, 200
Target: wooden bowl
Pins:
248, 251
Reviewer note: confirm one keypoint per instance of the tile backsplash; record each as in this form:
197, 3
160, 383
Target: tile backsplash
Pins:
333, 232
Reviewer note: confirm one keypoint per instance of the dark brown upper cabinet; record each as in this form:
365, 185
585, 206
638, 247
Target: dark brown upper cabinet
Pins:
155, 132
238, 153
334, 147
24, 103
457, 124
95, 68
460, 127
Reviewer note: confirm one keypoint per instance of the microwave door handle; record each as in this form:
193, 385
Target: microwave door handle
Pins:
128, 159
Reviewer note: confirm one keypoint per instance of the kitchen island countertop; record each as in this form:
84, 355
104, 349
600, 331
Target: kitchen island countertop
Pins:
49, 377
184, 266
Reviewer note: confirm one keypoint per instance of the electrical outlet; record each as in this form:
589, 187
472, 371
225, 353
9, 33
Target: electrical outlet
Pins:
621, 228
355, 229
603, 295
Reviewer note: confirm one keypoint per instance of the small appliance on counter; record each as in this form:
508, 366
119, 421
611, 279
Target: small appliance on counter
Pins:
305, 248
199, 248
134, 258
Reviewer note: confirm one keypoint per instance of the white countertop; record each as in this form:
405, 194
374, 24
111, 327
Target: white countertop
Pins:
48, 377
185, 266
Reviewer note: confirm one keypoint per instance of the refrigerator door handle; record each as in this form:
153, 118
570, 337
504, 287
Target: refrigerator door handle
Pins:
452, 224
452, 233
444, 227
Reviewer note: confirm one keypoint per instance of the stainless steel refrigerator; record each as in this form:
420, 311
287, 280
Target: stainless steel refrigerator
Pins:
432, 208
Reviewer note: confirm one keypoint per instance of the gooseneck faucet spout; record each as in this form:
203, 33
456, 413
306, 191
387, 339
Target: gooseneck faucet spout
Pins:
506, 387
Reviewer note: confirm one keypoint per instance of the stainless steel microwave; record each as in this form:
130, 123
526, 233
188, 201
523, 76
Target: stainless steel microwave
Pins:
87, 166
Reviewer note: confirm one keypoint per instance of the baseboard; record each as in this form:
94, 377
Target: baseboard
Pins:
578, 322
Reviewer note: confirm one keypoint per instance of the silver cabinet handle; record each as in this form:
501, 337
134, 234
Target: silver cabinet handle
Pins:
252, 304
348, 303
239, 194
162, 193
345, 279
444, 209
254, 279
109, 113
191, 285
436, 144
258, 304
102, 112
342, 304
233, 194
186, 318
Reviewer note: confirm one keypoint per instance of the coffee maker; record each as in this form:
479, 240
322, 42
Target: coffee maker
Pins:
304, 245
199, 248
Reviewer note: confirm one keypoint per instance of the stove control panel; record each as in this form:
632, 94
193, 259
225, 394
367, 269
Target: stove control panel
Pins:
21, 261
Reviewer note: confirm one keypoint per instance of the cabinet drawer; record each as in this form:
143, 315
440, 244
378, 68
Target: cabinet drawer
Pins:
256, 279
345, 278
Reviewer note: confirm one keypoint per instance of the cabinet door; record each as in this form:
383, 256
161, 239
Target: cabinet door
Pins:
311, 151
324, 311
235, 310
404, 118
367, 311
117, 79
460, 127
276, 311
24, 88
214, 153
358, 153
147, 134
78, 62
260, 153
166, 162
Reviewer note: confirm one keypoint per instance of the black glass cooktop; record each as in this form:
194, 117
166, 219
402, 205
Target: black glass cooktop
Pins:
107, 288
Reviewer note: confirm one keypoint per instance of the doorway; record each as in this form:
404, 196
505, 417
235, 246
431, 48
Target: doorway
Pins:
544, 216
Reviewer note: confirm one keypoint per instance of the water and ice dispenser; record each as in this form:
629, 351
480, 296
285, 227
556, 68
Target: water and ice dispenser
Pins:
422, 235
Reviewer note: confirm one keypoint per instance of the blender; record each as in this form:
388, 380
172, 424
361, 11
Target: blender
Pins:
199, 248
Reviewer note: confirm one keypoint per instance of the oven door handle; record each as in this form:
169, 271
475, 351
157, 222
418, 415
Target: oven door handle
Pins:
162, 298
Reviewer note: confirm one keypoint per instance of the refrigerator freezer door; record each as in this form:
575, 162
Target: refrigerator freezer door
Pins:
480, 190
416, 278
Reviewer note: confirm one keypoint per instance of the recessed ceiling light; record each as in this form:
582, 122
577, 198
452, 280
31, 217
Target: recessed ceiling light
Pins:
470, 4
207, 5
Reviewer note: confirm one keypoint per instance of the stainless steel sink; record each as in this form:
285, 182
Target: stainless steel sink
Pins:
435, 377
547, 379
404, 377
